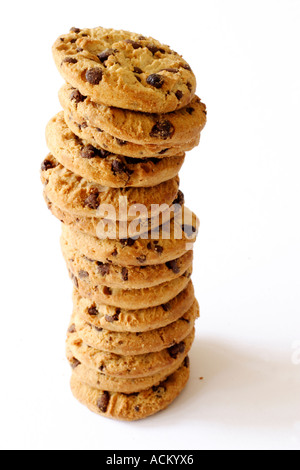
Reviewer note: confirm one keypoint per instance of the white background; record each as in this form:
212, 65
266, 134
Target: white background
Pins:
243, 181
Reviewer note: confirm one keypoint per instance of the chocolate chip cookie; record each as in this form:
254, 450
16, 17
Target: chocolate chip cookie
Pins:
93, 274
170, 129
133, 321
96, 379
133, 298
93, 225
98, 138
104, 168
123, 69
125, 343
149, 249
82, 198
136, 406
127, 367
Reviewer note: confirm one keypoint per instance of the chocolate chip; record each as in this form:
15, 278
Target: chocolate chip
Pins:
179, 95
159, 249
121, 142
137, 408
72, 329
75, 280
107, 290
88, 152
186, 67
102, 368
190, 110
93, 312
173, 266
156, 80
134, 44
79, 49
142, 259
118, 166
186, 362
47, 165
103, 402
111, 319
137, 70
127, 242
70, 60
180, 199
91, 152
189, 85
162, 152
149, 246
187, 275
177, 349
83, 274
97, 329
171, 70
138, 79
75, 30
189, 230
146, 167
125, 274
163, 130
77, 96
103, 56
88, 259
154, 49
73, 41
82, 126
92, 200
94, 76
74, 363
115, 253
159, 390
103, 269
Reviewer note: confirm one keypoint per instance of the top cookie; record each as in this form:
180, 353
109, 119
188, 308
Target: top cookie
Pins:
125, 70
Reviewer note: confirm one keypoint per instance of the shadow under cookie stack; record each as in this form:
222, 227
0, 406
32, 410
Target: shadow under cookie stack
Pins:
129, 115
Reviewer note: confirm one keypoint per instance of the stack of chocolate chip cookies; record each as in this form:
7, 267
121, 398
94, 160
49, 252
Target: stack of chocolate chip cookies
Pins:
129, 115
